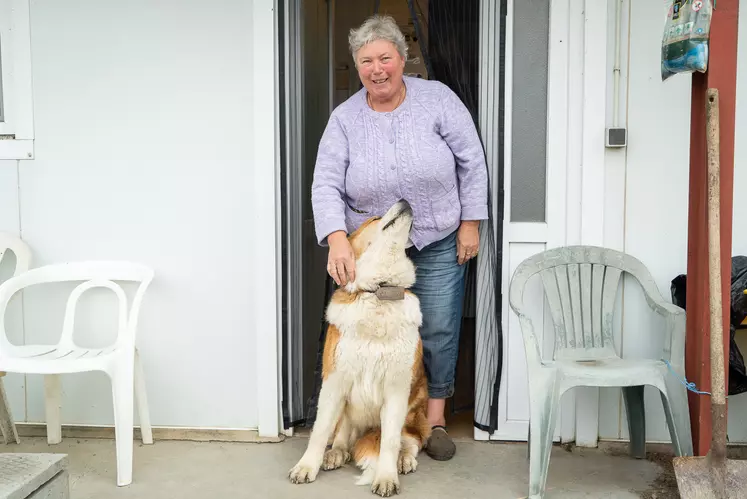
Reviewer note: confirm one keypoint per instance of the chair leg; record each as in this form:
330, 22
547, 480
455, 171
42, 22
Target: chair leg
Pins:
123, 386
529, 440
146, 431
677, 411
52, 406
543, 411
7, 425
635, 408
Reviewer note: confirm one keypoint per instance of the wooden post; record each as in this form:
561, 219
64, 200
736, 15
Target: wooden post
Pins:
7, 424
721, 75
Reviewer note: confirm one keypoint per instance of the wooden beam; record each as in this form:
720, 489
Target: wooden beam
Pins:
721, 74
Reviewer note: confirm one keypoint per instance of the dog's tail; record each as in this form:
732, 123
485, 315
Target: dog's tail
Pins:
366, 455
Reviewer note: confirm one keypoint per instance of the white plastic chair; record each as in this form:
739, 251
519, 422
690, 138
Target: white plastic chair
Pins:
22, 253
120, 361
580, 284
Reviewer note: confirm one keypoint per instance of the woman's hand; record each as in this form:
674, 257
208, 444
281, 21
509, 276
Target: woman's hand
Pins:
341, 260
468, 240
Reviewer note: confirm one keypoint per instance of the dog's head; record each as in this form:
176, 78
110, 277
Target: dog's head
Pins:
379, 246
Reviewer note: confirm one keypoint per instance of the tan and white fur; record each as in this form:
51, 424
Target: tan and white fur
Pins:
374, 391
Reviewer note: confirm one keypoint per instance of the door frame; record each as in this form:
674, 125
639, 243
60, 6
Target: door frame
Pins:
498, 156
266, 189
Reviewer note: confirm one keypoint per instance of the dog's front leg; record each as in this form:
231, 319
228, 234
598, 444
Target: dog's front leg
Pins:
393, 413
330, 405
339, 454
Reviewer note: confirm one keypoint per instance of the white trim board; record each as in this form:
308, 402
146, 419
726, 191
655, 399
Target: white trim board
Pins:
266, 184
593, 99
242, 435
559, 133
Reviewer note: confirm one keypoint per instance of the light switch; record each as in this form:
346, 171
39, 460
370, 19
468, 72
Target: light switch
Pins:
616, 137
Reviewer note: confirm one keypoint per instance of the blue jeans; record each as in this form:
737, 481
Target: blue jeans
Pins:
439, 286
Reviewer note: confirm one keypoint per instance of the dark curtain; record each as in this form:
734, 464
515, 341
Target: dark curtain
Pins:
451, 45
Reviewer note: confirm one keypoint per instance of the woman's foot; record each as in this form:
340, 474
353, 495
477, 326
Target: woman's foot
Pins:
440, 446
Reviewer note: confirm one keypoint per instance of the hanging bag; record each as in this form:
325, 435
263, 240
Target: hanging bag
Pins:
684, 46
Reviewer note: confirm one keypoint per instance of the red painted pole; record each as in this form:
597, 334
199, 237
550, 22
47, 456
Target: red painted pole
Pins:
722, 75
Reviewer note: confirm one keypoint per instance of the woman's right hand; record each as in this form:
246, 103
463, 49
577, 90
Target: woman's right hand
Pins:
341, 259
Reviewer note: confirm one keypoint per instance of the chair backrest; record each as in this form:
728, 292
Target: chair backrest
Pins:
92, 274
19, 248
580, 284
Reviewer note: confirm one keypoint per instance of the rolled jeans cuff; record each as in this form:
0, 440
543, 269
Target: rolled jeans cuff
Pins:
443, 391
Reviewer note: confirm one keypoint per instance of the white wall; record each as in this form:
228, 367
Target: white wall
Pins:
634, 199
144, 125
655, 190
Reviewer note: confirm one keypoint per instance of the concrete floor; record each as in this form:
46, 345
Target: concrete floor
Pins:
187, 470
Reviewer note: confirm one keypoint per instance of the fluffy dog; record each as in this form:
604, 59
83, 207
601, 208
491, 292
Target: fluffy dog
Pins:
374, 391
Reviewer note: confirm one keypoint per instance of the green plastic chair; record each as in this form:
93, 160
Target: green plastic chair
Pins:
580, 284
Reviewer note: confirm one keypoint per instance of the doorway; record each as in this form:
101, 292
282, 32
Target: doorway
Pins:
458, 43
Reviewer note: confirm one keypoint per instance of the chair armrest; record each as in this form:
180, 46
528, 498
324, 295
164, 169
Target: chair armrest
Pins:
674, 340
662, 307
531, 346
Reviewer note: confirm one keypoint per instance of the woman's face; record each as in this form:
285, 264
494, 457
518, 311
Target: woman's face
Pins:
380, 69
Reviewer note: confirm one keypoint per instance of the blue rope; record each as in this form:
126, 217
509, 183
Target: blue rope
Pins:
689, 385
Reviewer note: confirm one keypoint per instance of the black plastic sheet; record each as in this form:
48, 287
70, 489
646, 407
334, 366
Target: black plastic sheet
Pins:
738, 312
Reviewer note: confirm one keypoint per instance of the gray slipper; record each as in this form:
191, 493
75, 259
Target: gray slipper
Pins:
440, 446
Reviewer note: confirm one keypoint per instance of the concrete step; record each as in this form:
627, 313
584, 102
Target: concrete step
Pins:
34, 476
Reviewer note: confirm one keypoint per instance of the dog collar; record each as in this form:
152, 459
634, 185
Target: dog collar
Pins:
387, 292
390, 293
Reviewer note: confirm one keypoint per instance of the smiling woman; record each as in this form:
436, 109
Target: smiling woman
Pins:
380, 64
403, 138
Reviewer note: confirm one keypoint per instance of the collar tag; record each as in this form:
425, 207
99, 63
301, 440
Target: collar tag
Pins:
390, 293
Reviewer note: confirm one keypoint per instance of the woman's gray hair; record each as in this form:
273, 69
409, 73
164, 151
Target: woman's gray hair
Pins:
375, 28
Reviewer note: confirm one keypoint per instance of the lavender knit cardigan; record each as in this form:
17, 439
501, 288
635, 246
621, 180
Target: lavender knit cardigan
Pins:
427, 152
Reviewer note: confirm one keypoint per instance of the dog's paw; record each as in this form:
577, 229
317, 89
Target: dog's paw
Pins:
406, 463
303, 473
335, 458
385, 486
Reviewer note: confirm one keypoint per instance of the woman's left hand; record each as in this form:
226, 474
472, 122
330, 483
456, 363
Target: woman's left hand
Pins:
468, 240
